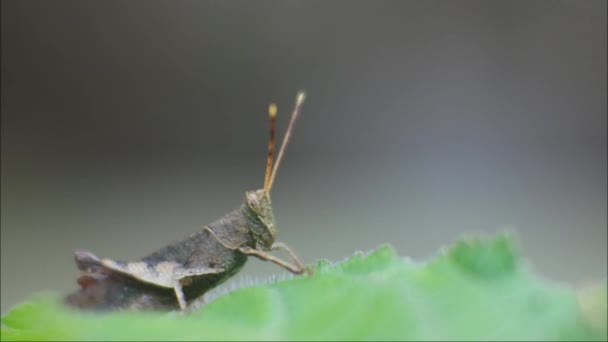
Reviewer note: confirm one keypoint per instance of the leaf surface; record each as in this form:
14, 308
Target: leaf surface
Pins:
479, 289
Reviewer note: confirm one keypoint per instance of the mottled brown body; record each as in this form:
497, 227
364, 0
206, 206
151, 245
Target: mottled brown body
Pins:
177, 274
212, 252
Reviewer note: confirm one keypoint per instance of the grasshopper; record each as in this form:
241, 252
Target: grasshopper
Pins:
177, 274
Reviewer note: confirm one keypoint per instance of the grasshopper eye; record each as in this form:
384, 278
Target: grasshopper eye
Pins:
253, 200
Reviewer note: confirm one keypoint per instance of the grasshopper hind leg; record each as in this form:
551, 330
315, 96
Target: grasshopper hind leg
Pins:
179, 293
184, 277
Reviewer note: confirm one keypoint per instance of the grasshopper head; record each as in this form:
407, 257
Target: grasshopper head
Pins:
260, 217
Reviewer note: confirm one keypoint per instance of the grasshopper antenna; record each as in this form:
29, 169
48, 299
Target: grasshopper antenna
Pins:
272, 114
296, 112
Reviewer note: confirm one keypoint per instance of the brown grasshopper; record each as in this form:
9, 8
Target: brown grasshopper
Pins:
179, 273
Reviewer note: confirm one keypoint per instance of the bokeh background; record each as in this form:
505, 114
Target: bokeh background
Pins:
129, 124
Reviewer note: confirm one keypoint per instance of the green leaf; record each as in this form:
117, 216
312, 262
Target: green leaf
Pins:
480, 289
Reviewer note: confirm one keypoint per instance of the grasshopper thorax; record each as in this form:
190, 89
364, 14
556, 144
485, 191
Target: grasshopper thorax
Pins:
260, 218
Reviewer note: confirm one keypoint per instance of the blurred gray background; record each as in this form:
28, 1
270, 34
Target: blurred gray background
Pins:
129, 124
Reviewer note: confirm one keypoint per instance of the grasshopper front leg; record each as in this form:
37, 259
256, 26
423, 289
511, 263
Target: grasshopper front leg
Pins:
282, 246
266, 256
